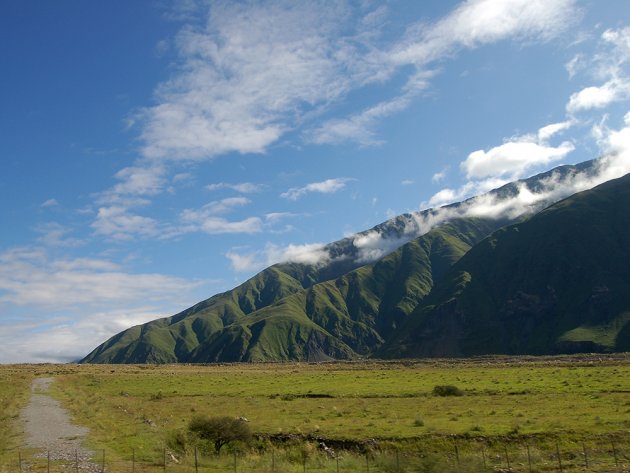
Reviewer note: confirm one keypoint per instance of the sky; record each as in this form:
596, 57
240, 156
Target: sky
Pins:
154, 154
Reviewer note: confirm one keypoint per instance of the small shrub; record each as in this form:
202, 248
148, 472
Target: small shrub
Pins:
176, 440
220, 430
418, 423
447, 390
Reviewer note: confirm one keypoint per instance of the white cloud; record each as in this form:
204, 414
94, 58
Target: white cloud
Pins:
215, 225
275, 217
513, 158
329, 186
608, 65
118, 223
254, 71
58, 309
216, 207
575, 65
406, 182
478, 22
439, 176
310, 253
518, 155
359, 127
68, 338
50, 203
54, 234
206, 218
243, 187
28, 277
140, 180
249, 73
596, 96
548, 131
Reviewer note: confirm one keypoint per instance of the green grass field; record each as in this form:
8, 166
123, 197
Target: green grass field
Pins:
517, 400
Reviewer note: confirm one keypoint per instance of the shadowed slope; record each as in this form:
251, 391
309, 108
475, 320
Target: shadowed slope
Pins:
557, 282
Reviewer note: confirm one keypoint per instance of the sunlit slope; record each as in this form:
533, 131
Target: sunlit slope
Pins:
273, 316
558, 282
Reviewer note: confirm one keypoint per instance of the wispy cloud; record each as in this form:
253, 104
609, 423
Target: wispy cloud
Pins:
329, 186
254, 71
248, 73
243, 187
359, 127
609, 65
475, 23
50, 203
29, 277
439, 176
57, 309
215, 207
53, 234
118, 223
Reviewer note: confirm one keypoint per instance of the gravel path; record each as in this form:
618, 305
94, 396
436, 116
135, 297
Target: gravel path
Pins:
48, 428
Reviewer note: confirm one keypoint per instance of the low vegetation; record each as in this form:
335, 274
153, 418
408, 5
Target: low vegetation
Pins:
219, 431
378, 409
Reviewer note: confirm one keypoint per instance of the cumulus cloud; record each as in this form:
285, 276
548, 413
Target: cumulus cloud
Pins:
513, 158
597, 96
329, 186
518, 155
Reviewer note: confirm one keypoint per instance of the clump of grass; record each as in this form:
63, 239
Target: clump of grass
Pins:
418, 423
444, 390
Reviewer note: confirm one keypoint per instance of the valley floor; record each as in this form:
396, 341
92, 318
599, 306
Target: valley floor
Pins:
550, 404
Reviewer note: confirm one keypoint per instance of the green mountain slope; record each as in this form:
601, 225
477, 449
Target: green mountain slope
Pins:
557, 282
284, 313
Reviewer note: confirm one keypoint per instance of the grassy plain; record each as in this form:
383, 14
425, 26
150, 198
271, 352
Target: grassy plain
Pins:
532, 400
15, 383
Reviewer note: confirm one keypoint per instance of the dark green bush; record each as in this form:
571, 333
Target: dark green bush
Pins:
447, 390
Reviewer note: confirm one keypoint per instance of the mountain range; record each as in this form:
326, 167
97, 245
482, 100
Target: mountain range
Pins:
528, 268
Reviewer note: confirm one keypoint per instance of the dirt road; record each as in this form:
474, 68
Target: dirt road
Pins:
48, 428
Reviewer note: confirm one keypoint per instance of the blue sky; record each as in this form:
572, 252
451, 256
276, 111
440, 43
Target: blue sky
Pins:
156, 153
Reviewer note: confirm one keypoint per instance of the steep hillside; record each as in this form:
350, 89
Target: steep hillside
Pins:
558, 282
273, 317
349, 316
340, 307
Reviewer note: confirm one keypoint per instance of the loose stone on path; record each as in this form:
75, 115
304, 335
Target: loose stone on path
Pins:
48, 428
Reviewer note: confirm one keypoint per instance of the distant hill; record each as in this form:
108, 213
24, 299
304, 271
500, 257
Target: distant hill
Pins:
383, 299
